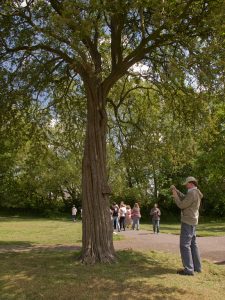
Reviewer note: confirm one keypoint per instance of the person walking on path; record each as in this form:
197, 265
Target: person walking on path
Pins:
74, 213
189, 205
128, 217
155, 213
122, 216
136, 215
115, 215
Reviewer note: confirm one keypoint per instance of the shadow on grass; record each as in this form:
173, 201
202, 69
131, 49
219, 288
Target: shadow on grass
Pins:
170, 229
12, 246
20, 219
58, 275
36, 219
218, 228
15, 243
148, 233
220, 263
23, 246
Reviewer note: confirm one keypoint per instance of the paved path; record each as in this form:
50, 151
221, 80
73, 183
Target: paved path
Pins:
211, 248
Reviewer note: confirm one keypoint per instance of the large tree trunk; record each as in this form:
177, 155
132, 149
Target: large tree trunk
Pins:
97, 240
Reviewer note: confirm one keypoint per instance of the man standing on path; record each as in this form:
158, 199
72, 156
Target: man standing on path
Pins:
155, 213
189, 205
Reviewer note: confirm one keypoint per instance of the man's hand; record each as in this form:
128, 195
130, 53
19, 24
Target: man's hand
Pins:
173, 190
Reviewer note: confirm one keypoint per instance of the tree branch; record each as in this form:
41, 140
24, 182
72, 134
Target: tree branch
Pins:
116, 26
95, 55
77, 67
43, 30
57, 6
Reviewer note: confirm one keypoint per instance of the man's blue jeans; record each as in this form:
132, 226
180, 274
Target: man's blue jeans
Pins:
189, 249
155, 224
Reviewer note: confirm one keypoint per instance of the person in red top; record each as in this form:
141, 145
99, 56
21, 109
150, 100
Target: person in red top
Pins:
128, 216
136, 215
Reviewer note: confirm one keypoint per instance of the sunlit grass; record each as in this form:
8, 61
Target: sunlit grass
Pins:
31, 232
58, 275
39, 231
203, 229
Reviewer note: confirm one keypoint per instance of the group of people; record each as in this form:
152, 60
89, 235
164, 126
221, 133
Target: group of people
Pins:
124, 217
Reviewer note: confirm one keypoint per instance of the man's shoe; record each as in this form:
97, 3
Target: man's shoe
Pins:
183, 272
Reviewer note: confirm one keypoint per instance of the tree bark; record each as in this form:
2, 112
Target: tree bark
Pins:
97, 239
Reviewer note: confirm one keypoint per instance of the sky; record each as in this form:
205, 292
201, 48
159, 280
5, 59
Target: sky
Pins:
23, 3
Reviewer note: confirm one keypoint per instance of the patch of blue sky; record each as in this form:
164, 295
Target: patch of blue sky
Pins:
21, 3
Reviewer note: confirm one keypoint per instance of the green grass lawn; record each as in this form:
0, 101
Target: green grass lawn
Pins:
213, 228
31, 232
39, 231
58, 275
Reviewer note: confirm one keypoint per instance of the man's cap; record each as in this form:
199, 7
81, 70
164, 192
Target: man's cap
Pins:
190, 179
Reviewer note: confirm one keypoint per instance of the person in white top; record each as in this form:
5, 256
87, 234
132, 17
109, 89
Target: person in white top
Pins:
122, 216
74, 213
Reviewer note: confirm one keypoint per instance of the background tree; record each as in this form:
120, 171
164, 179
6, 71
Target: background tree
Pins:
210, 161
150, 136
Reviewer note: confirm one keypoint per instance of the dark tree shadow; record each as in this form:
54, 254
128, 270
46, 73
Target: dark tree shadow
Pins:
36, 219
146, 233
49, 270
15, 243
14, 246
220, 262
21, 246
213, 229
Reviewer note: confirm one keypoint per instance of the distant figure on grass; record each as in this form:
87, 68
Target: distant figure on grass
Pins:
189, 205
155, 213
74, 213
136, 215
122, 215
115, 215
128, 219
